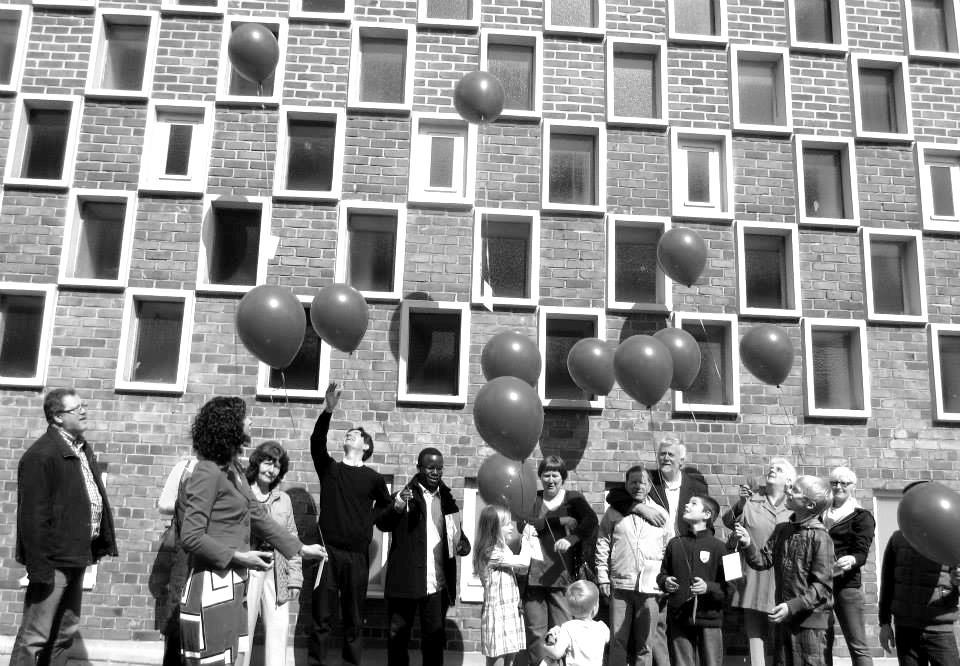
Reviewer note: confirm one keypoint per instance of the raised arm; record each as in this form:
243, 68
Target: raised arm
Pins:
318, 439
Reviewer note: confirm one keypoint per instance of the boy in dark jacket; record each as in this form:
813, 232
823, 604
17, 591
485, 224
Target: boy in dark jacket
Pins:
801, 554
692, 575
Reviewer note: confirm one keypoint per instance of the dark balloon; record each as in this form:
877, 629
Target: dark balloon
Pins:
644, 368
682, 255
929, 518
685, 352
508, 483
767, 352
271, 324
339, 315
508, 415
479, 97
254, 52
511, 354
590, 363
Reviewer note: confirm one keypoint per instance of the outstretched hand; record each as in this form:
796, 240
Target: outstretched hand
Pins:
331, 397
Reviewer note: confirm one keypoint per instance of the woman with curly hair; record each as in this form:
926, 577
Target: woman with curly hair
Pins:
217, 512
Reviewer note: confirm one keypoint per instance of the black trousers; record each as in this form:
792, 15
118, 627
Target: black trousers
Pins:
433, 612
344, 580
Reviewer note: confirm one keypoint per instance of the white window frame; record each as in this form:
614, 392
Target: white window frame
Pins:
328, 114
839, 21
848, 148
173, 7
859, 328
551, 28
264, 389
19, 128
952, 14
722, 173
75, 5
664, 302
298, 13
934, 333
156, 144
899, 65
732, 378
544, 315
471, 587
264, 254
913, 279
49, 294
72, 230
930, 154
791, 277
360, 30
399, 213
719, 39
779, 56
599, 132
410, 307
471, 24
518, 38
528, 217
226, 67
127, 340
23, 35
462, 193
656, 48
98, 54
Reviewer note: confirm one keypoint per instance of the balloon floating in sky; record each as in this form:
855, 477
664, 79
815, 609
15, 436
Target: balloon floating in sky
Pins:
682, 255
271, 324
254, 52
479, 97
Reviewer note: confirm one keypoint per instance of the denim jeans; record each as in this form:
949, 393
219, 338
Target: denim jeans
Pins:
691, 645
799, 646
848, 607
51, 620
543, 608
634, 622
918, 647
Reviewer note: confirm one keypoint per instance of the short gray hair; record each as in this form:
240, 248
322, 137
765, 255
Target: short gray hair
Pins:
843, 473
674, 442
788, 469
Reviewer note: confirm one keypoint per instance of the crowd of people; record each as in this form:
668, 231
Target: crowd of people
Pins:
664, 559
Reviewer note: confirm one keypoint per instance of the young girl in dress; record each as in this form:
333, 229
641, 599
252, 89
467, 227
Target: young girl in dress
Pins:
502, 634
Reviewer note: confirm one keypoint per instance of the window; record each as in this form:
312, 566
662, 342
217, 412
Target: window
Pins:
176, 147
759, 98
322, 10
370, 248
701, 174
443, 148
945, 371
434, 352
309, 161
826, 184
124, 49
575, 167
818, 25
381, 68
634, 283
506, 257
881, 100
461, 14
233, 243
836, 370
14, 32
44, 141
233, 88
26, 327
636, 82
559, 328
931, 29
716, 390
307, 375
66, 4
768, 269
703, 21
98, 238
578, 17
894, 276
155, 341
516, 58
210, 7
939, 166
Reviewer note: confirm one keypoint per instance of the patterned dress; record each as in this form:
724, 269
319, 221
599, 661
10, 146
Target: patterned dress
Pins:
501, 627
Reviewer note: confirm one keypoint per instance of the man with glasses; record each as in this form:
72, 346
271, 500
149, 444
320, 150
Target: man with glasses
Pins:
64, 524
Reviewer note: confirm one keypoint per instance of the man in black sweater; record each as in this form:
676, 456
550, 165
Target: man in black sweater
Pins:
352, 497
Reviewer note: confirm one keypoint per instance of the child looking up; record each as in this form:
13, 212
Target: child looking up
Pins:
580, 640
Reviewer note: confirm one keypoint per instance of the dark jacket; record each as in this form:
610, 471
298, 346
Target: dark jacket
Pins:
558, 570
691, 483
53, 509
852, 536
915, 591
801, 554
698, 555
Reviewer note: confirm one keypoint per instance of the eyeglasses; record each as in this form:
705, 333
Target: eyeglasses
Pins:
837, 484
82, 407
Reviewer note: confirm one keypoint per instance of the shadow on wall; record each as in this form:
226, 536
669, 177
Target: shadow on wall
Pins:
565, 434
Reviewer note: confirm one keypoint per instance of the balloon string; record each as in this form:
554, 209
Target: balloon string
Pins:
286, 400
796, 450
369, 396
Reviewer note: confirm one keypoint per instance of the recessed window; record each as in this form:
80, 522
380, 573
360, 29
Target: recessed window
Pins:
310, 153
698, 20
121, 64
457, 14
636, 82
880, 97
370, 248
761, 98
701, 173
434, 349
233, 244
582, 17
894, 275
176, 147
836, 374
939, 166
817, 25
97, 239
506, 257
44, 144
716, 388
14, 32
515, 58
209, 7
234, 88
155, 341
574, 171
932, 28
381, 68
945, 371
307, 375
443, 148
826, 184
633, 280
559, 329
768, 279
322, 10
26, 327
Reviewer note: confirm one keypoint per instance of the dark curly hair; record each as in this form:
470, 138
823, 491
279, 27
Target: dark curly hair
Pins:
218, 429
268, 451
